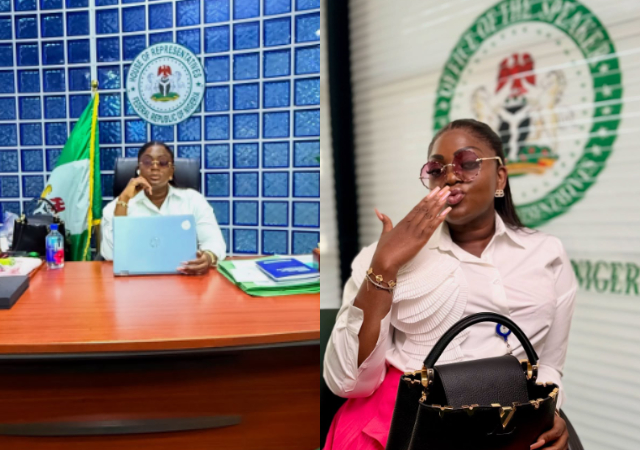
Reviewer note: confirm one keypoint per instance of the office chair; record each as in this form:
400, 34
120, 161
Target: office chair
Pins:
187, 173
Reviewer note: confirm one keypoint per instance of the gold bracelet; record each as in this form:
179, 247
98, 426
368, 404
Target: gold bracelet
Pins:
377, 285
379, 281
214, 258
121, 203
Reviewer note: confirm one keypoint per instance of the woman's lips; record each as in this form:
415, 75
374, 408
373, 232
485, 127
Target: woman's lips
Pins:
455, 197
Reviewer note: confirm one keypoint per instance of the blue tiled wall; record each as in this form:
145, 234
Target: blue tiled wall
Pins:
256, 133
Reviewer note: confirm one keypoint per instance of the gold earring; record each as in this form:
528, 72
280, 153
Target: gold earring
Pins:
499, 193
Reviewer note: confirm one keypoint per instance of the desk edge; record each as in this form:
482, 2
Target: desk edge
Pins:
162, 353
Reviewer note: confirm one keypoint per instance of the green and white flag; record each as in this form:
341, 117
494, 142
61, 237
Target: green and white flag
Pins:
74, 185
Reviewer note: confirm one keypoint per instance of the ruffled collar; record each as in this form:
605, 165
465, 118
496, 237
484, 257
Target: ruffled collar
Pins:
441, 238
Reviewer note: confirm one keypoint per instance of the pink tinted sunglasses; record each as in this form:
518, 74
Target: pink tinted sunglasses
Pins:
466, 166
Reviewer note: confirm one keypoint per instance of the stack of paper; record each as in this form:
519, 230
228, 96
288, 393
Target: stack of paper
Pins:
18, 266
247, 276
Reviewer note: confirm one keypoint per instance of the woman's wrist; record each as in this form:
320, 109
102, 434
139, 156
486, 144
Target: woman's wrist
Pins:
124, 198
122, 206
213, 259
384, 267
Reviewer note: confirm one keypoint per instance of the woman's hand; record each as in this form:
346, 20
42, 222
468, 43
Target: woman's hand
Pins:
557, 438
198, 266
400, 244
134, 186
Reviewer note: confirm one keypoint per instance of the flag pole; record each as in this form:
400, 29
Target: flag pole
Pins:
91, 223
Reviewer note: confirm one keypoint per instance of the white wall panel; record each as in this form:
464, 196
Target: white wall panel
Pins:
330, 274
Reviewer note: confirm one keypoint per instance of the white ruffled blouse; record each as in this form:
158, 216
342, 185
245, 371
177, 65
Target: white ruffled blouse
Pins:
521, 274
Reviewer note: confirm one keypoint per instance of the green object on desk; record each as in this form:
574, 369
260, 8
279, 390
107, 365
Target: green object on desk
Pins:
226, 267
7, 261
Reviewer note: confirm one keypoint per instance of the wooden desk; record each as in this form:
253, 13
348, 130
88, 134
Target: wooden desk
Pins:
92, 361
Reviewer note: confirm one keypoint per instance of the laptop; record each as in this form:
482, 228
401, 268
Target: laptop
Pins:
153, 245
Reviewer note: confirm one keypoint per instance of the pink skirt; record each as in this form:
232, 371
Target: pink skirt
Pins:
363, 423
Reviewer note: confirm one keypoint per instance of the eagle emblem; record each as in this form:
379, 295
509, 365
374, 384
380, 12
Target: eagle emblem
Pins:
525, 110
162, 82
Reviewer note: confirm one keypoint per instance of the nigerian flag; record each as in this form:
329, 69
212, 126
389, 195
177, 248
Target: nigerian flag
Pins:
74, 184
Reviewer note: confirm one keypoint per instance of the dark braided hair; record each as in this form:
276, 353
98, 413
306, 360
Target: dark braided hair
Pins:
503, 205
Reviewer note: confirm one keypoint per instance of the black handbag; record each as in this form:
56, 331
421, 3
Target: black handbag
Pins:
486, 404
29, 232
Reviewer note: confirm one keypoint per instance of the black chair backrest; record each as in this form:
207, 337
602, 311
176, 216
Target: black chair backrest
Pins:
187, 173
329, 402
574, 440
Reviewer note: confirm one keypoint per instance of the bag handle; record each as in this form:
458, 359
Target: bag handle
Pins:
462, 324
49, 203
17, 239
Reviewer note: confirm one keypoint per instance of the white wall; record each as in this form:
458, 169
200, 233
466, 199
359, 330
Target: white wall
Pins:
399, 50
329, 251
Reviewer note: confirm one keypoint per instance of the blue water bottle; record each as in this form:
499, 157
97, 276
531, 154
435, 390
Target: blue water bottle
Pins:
55, 248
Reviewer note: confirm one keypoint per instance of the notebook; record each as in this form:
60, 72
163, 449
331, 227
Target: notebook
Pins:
153, 245
285, 269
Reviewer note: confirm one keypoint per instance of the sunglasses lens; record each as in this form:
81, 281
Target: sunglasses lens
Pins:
466, 165
432, 170
148, 162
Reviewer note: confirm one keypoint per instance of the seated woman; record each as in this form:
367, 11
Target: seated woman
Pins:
154, 193
461, 250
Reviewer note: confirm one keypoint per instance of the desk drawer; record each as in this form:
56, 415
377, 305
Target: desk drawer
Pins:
250, 399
